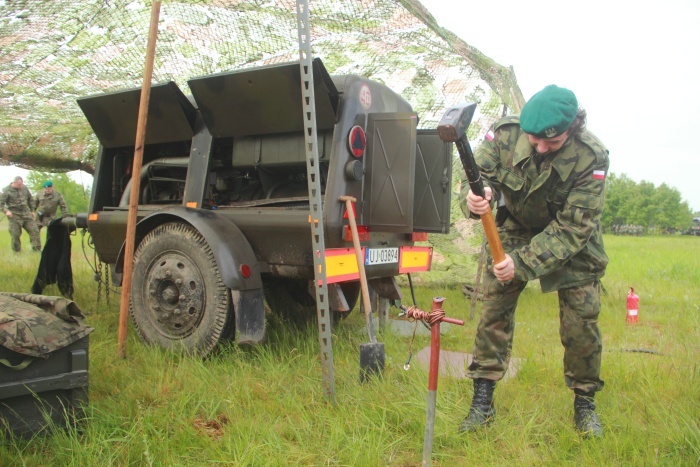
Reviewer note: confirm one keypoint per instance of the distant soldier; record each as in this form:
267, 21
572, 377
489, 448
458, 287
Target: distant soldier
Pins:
47, 203
17, 203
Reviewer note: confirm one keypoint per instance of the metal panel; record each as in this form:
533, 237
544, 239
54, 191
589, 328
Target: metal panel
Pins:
113, 116
433, 183
262, 100
390, 169
199, 160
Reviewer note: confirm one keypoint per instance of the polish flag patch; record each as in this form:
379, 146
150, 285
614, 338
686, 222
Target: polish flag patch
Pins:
599, 174
489, 136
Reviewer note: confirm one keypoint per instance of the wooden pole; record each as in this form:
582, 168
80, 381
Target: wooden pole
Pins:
136, 179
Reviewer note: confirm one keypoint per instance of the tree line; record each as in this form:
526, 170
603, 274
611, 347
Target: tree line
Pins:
641, 204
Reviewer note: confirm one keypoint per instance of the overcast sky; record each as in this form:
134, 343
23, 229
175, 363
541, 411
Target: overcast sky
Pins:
634, 66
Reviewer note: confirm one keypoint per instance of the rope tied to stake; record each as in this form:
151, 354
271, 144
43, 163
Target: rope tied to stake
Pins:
415, 314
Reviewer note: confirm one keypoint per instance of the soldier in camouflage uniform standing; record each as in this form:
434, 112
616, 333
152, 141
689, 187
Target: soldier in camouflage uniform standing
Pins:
549, 173
47, 203
17, 203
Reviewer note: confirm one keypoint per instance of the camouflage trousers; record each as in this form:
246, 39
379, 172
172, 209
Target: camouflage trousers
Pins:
25, 221
578, 329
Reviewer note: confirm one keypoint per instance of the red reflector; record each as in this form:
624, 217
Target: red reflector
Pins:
362, 233
357, 141
245, 271
419, 237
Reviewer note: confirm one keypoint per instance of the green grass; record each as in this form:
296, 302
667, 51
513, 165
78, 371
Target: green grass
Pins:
265, 405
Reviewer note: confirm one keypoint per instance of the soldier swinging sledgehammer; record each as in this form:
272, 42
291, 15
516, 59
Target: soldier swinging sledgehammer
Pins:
550, 173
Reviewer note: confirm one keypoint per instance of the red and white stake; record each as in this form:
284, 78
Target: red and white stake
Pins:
434, 318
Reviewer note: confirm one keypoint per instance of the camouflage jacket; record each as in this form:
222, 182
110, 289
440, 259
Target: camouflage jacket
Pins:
557, 206
48, 204
36, 325
17, 201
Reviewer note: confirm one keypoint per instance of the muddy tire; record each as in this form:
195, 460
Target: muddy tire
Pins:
178, 300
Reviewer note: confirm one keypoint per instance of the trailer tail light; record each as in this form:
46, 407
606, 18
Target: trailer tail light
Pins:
415, 259
362, 233
419, 237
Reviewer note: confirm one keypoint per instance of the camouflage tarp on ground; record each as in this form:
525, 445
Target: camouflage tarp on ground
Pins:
36, 325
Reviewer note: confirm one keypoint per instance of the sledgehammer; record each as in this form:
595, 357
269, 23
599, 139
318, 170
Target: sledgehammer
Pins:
453, 129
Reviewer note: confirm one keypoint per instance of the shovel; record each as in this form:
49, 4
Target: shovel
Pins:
371, 353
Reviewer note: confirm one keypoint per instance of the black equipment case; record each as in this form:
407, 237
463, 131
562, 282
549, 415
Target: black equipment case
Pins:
48, 393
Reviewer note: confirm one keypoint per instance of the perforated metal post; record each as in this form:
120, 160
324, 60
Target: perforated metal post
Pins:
315, 200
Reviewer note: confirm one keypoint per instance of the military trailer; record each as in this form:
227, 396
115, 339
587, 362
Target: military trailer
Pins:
223, 211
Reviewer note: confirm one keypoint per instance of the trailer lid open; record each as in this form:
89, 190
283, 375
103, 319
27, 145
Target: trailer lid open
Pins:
113, 116
262, 100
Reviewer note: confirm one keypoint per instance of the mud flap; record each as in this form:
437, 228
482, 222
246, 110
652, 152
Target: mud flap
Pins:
336, 297
249, 313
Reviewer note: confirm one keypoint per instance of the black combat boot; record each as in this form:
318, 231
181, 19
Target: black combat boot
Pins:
481, 412
585, 418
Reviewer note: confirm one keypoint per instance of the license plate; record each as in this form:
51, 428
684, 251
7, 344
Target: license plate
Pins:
381, 256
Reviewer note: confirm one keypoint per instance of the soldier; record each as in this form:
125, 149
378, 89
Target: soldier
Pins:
549, 172
17, 203
47, 203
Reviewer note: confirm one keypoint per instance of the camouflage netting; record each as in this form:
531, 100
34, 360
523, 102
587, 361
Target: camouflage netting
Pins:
53, 52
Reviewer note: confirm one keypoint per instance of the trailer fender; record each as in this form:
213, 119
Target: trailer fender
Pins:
238, 265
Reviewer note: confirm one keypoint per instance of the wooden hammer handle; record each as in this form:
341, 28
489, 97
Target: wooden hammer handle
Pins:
491, 232
366, 302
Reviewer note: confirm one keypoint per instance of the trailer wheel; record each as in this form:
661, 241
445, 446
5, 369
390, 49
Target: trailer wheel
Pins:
290, 299
178, 300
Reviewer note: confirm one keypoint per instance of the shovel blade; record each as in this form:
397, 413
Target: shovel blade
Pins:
371, 360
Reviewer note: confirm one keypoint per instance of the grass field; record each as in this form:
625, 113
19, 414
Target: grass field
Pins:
265, 406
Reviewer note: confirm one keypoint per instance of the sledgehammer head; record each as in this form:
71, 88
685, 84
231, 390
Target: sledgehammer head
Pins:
455, 121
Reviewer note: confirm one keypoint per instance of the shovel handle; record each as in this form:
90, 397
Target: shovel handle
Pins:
366, 302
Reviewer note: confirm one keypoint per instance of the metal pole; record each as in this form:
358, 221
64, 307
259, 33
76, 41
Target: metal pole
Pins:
315, 200
136, 179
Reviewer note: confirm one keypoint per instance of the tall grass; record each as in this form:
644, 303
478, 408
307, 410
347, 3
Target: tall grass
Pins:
265, 405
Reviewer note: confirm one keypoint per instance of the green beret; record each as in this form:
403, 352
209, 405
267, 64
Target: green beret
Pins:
48, 184
549, 113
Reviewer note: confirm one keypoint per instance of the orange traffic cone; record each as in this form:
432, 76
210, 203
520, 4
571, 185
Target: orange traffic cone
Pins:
632, 307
